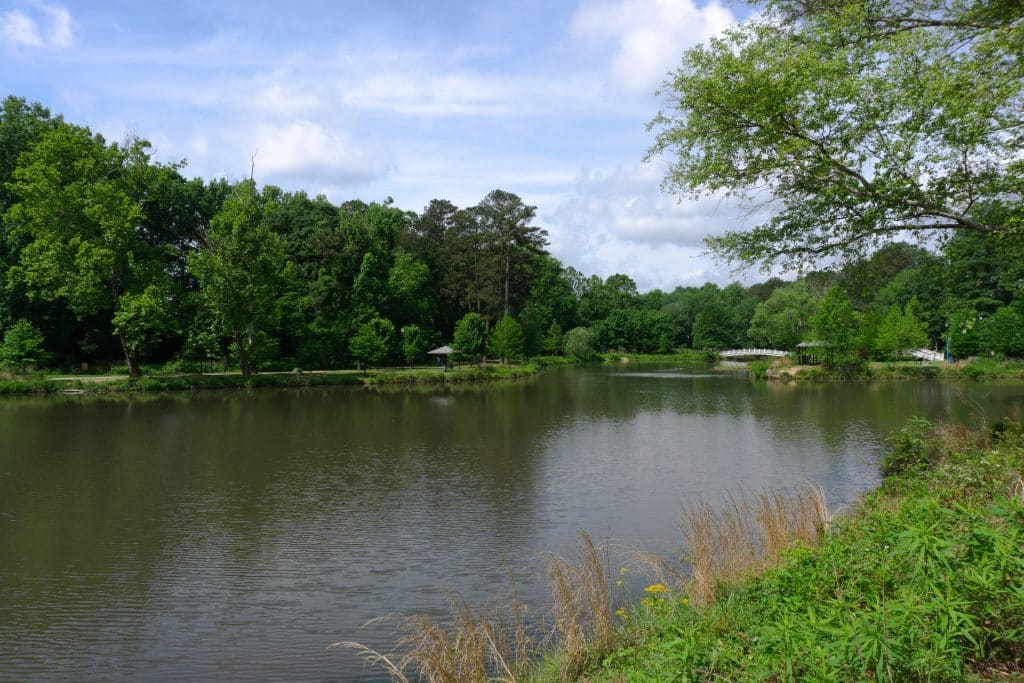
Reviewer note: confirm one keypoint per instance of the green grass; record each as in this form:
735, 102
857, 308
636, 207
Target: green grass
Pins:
464, 373
924, 581
152, 383
681, 356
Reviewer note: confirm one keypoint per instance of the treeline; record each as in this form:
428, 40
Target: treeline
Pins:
107, 254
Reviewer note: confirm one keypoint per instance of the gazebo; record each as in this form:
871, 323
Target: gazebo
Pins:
442, 353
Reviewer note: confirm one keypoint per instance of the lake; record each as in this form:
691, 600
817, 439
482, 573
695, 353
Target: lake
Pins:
236, 535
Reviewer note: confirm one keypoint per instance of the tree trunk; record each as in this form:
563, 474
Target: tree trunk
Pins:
243, 357
133, 365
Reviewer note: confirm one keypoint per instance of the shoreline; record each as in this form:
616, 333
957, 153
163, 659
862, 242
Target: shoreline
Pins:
113, 384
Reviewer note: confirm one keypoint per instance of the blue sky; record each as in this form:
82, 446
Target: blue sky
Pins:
411, 100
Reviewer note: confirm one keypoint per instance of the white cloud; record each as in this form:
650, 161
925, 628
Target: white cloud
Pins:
17, 28
52, 27
307, 154
618, 221
648, 36
434, 90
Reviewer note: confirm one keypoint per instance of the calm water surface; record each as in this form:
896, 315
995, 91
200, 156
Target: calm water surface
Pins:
235, 535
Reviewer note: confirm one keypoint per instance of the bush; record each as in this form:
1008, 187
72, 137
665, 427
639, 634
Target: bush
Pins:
911, 447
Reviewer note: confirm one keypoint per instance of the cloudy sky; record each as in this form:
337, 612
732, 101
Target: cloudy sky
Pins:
412, 100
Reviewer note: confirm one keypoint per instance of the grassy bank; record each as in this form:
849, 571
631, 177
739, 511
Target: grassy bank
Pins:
681, 356
977, 368
464, 373
153, 383
924, 581
41, 384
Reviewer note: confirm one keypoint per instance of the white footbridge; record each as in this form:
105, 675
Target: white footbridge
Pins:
753, 353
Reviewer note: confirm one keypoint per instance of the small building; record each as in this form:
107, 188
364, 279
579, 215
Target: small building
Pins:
442, 353
809, 352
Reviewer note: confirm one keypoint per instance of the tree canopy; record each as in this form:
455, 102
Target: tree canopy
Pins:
852, 121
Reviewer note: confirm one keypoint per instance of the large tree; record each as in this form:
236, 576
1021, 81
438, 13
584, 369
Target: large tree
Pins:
241, 271
515, 244
854, 120
80, 226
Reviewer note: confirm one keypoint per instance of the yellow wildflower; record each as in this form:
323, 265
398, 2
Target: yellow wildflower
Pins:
656, 588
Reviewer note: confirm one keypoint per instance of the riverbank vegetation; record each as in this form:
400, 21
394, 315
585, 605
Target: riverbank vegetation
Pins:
922, 580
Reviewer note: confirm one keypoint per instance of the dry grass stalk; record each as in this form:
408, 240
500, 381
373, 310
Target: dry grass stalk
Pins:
655, 567
1017, 490
583, 619
490, 645
746, 536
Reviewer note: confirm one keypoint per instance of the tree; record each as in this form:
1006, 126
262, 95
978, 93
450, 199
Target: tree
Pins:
373, 342
506, 339
1004, 332
784, 319
859, 119
553, 339
80, 225
470, 336
142, 320
579, 342
505, 222
241, 272
835, 327
415, 342
22, 346
900, 331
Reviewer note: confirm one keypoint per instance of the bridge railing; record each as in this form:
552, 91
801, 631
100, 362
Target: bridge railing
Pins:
734, 353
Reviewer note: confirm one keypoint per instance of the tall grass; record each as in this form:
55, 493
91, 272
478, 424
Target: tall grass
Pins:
502, 643
474, 645
743, 537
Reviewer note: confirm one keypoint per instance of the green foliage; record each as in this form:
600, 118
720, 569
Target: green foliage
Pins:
634, 330
22, 346
1003, 332
373, 342
579, 343
415, 343
506, 339
241, 272
142, 320
470, 336
911, 447
924, 581
900, 331
553, 339
861, 118
835, 325
758, 369
784, 319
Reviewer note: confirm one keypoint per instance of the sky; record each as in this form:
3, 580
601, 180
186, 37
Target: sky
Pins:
404, 99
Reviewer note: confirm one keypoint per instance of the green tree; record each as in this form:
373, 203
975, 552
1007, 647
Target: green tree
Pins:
900, 331
241, 272
579, 343
861, 119
553, 339
470, 336
835, 325
22, 346
784, 319
1003, 332
142, 320
80, 226
373, 342
415, 343
505, 222
506, 339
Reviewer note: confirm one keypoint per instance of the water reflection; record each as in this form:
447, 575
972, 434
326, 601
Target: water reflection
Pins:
234, 535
